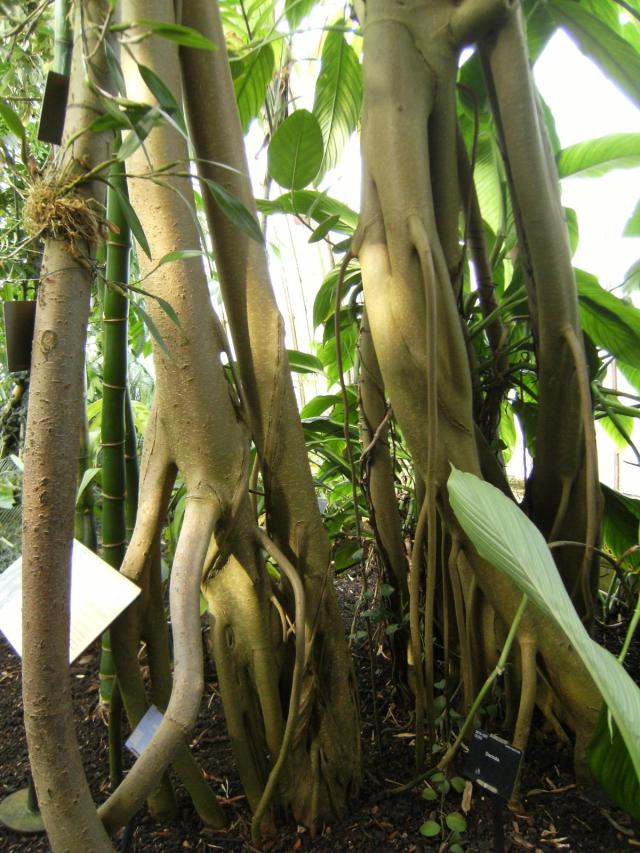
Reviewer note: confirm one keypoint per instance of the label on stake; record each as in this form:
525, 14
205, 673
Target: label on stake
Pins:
493, 763
139, 738
54, 108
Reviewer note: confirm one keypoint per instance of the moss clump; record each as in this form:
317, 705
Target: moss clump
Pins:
54, 209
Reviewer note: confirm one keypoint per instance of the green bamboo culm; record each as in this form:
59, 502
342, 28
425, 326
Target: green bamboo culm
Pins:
114, 491
85, 520
62, 38
132, 474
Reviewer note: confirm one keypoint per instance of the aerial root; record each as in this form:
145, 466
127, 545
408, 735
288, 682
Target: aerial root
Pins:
294, 700
178, 719
590, 473
420, 240
528, 693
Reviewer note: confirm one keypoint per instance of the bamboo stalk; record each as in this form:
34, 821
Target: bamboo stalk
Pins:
116, 308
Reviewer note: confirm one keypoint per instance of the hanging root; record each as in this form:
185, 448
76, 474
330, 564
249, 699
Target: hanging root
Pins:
421, 244
179, 717
414, 629
528, 693
294, 700
590, 473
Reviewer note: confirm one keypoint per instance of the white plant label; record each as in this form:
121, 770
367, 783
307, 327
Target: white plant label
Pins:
139, 738
99, 593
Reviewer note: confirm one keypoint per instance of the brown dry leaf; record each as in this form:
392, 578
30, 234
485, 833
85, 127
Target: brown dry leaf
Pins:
467, 794
519, 841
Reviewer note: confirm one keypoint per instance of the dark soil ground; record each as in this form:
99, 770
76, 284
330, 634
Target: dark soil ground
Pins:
556, 815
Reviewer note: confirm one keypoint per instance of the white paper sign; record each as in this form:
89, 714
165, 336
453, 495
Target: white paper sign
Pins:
99, 593
144, 731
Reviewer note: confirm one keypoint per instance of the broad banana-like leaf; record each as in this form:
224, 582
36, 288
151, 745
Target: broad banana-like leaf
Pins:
596, 157
251, 83
297, 10
611, 323
616, 57
338, 97
505, 537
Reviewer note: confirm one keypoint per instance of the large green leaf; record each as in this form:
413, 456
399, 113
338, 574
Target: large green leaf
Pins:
631, 373
313, 205
631, 280
632, 228
338, 97
503, 535
131, 218
295, 151
177, 33
303, 362
251, 83
596, 157
610, 322
11, 118
615, 56
486, 175
621, 524
608, 752
318, 405
235, 210
164, 96
296, 10
324, 304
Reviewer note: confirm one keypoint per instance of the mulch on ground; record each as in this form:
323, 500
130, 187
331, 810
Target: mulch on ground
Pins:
557, 814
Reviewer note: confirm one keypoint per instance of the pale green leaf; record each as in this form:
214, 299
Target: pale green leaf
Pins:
12, 120
318, 405
235, 210
177, 33
297, 10
487, 179
324, 228
615, 56
596, 157
632, 228
251, 83
571, 218
338, 97
458, 784
88, 477
303, 362
131, 218
456, 822
295, 151
163, 95
155, 334
429, 794
313, 205
180, 255
430, 829
611, 323
608, 753
505, 537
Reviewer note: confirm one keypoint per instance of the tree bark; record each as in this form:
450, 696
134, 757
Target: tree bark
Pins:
53, 429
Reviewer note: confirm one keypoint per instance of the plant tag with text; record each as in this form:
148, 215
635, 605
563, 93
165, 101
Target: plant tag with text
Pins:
139, 738
493, 763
